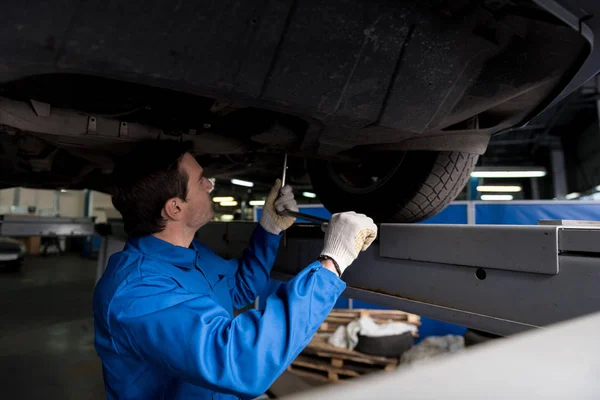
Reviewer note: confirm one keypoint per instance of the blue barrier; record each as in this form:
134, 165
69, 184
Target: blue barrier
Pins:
521, 213
452, 214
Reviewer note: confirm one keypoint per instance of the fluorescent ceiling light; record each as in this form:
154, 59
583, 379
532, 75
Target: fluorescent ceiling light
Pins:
572, 196
257, 202
222, 198
226, 217
228, 203
242, 183
502, 189
63, 190
508, 172
497, 197
310, 195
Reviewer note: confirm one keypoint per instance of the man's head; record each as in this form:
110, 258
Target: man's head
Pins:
160, 184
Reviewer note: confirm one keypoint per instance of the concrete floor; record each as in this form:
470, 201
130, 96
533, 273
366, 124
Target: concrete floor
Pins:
46, 334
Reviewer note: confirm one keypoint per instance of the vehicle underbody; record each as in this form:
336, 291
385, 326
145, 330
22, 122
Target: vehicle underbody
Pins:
348, 82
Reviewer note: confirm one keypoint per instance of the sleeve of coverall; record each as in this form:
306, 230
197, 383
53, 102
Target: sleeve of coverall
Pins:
193, 338
254, 267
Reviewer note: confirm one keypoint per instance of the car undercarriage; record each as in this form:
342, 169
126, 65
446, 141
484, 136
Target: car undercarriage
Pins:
368, 98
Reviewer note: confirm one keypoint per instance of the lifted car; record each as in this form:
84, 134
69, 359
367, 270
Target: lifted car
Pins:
385, 104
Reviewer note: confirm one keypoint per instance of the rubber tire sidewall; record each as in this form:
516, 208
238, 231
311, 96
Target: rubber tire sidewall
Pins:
390, 201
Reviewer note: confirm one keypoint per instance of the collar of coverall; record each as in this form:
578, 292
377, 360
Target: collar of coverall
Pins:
166, 252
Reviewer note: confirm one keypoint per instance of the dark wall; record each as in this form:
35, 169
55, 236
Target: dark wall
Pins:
582, 159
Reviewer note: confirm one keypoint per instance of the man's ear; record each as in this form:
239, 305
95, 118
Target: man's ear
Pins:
173, 209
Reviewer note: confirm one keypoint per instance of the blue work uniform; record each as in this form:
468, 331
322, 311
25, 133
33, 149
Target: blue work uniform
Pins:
165, 326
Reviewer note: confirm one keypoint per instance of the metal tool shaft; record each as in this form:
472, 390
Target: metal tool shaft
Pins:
284, 171
307, 217
297, 214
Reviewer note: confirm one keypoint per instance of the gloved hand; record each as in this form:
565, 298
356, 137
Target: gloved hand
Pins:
278, 200
346, 236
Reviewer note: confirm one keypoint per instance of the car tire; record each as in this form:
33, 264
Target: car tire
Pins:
417, 186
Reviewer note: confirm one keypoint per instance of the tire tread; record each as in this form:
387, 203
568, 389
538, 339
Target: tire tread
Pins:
451, 171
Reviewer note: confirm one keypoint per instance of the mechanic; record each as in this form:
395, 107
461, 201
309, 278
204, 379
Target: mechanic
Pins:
164, 307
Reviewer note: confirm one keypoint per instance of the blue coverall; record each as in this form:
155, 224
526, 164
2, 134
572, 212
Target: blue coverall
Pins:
164, 324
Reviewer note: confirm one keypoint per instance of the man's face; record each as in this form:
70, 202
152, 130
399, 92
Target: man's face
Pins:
198, 209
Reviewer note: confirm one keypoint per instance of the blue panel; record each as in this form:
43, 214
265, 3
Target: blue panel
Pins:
362, 304
342, 303
529, 214
453, 214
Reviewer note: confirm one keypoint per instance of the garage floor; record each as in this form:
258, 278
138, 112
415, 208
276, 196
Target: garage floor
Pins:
46, 333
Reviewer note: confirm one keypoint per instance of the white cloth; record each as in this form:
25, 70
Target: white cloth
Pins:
433, 346
348, 234
347, 336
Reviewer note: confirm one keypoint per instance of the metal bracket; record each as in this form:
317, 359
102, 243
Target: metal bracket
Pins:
91, 126
41, 109
123, 129
513, 248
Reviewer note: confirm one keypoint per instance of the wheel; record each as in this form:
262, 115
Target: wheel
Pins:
392, 187
385, 346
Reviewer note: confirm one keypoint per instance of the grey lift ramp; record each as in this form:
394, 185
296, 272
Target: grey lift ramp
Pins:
495, 278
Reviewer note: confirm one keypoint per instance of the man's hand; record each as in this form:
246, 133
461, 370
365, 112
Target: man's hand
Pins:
346, 236
277, 201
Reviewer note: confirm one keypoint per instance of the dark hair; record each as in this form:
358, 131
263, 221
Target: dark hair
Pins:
144, 180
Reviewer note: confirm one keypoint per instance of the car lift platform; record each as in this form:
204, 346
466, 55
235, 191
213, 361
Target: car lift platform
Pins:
22, 226
495, 278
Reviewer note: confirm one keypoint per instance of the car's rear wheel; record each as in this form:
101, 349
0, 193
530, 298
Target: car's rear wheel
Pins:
393, 187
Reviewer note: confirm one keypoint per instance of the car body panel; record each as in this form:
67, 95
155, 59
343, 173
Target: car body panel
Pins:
584, 17
409, 68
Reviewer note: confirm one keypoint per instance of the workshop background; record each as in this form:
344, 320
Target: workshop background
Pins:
548, 169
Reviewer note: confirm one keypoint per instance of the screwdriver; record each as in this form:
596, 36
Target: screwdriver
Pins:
297, 214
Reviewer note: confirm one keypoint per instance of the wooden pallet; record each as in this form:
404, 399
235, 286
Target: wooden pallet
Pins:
340, 316
324, 362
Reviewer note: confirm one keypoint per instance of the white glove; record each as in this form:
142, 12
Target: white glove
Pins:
277, 201
346, 236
